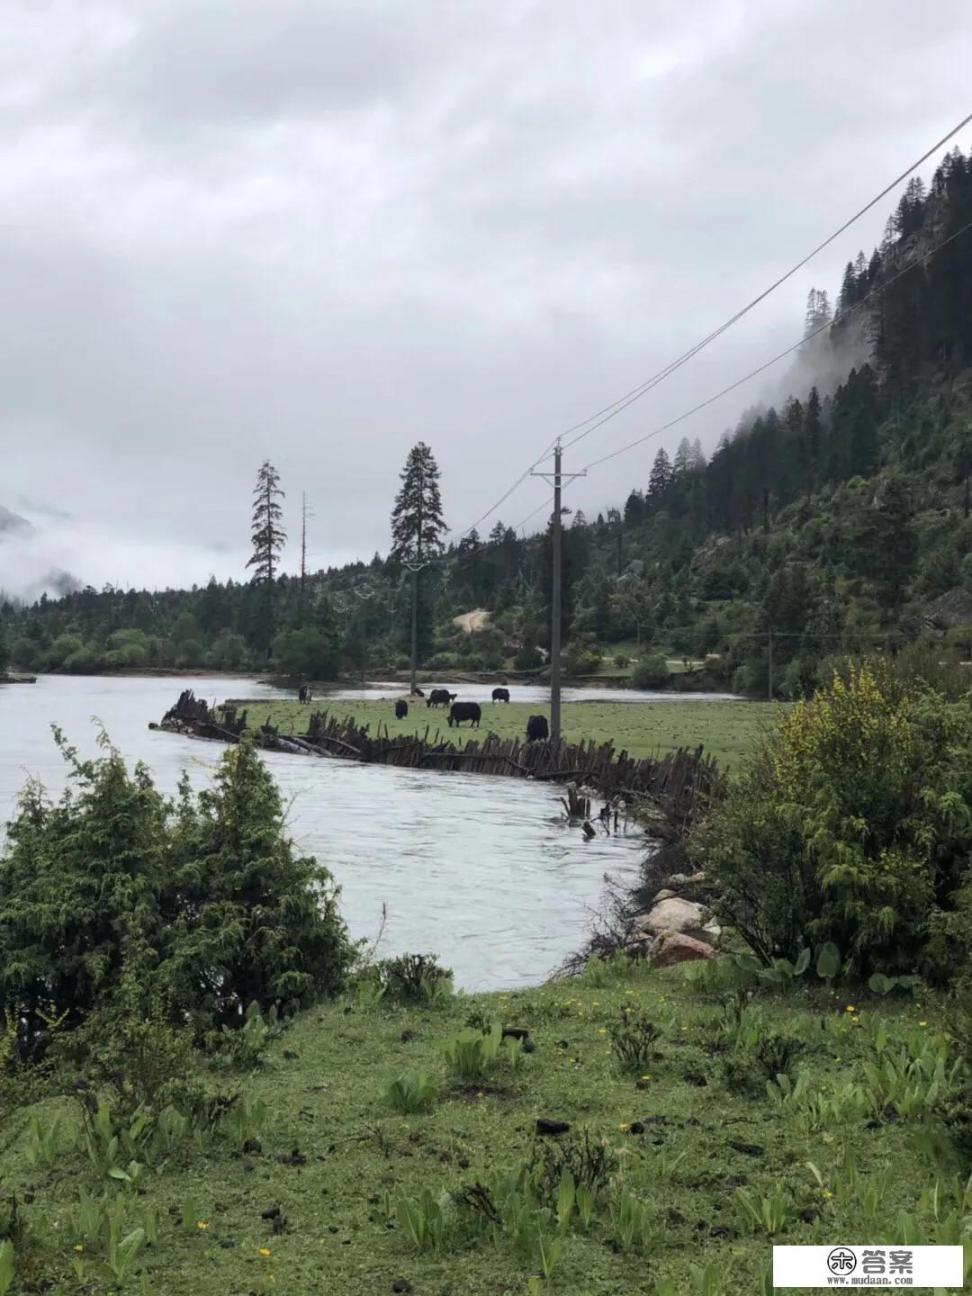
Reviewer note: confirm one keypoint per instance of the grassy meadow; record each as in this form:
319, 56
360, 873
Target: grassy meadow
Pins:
695, 1165
727, 730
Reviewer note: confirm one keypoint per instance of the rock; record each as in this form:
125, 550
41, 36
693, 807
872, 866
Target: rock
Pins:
676, 947
545, 1126
666, 893
671, 915
676, 914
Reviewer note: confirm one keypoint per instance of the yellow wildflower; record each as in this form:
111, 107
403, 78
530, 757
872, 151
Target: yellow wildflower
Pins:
602, 1030
265, 1251
850, 1008
78, 1247
646, 1077
202, 1225
826, 1194
923, 1023
624, 1128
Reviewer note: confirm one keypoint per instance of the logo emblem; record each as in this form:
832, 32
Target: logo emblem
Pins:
842, 1260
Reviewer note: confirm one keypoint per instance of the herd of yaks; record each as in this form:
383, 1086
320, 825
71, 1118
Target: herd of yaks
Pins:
460, 712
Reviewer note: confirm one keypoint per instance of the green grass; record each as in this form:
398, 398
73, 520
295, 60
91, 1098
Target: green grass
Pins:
325, 1083
727, 730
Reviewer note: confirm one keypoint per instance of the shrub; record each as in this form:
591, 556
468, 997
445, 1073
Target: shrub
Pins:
411, 979
633, 1040
528, 658
650, 673
117, 896
851, 826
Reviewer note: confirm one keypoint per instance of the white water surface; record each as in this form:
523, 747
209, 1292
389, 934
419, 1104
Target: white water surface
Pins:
481, 871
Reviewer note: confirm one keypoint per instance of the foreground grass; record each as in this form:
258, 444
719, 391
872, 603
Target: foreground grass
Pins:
313, 1205
727, 730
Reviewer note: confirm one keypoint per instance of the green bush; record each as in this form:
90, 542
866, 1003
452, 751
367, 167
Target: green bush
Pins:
410, 978
528, 658
851, 826
650, 673
117, 896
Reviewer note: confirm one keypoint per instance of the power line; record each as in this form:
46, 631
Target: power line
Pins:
506, 494
611, 411
754, 373
608, 412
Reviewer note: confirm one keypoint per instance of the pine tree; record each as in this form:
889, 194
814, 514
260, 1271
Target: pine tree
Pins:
885, 543
683, 458
268, 537
818, 312
660, 479
813, 433
634, 509
417, 526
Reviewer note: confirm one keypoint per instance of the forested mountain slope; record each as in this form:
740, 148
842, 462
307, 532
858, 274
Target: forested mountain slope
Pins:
830, 523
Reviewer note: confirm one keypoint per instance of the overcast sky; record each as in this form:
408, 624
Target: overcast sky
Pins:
318, 231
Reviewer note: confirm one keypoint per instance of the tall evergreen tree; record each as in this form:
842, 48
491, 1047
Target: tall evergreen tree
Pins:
417, 523
818, 311
660, 479
813, 433
417, 526
683, 458
634, 509
268, 537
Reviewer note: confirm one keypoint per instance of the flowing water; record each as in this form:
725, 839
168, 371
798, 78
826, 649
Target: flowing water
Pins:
540, 694
482, 871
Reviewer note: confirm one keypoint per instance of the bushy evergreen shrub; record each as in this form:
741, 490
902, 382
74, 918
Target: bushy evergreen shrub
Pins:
852, 824
650, 673
202, 904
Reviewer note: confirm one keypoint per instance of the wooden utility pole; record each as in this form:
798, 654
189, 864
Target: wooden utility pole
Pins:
303, 555
556, 534
555, 600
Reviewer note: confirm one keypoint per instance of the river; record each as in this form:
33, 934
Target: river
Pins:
483, 872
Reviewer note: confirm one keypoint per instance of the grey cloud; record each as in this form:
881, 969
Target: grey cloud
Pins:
319, 231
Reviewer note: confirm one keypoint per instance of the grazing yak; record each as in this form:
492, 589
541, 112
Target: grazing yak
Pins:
401, 710
460, 711
440, 697
304, 693
501, 695
537, 728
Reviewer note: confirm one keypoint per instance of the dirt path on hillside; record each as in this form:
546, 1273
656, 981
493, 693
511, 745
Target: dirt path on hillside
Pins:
472, 621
